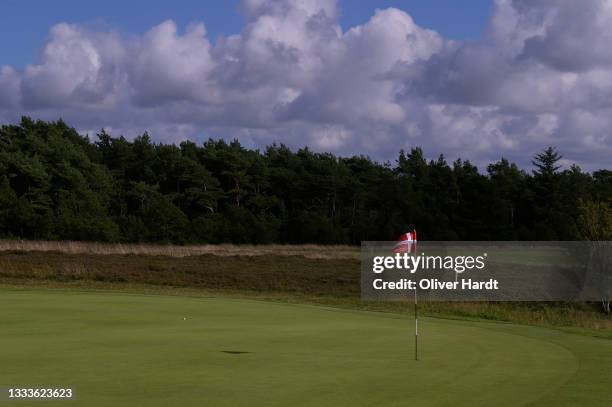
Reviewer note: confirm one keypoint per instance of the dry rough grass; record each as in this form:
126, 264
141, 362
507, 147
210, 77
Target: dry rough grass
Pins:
72, 247
272, 273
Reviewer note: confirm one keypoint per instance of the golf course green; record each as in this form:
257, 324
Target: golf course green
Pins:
119, 349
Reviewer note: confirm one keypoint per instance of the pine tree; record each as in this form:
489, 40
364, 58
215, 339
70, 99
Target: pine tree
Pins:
547, 196
546, 163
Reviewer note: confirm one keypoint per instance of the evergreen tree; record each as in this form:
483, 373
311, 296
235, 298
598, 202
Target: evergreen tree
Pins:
550, 224
546, 163
57, 184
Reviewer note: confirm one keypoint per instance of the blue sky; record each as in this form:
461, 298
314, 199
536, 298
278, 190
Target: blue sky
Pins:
24, 24
476, 79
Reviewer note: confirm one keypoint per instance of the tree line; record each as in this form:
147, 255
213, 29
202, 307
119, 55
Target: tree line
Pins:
57, 184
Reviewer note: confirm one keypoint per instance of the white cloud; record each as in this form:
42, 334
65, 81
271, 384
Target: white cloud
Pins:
541, 74
167, 66
77, 67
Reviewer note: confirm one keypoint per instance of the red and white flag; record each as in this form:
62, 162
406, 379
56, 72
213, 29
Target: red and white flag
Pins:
406, 243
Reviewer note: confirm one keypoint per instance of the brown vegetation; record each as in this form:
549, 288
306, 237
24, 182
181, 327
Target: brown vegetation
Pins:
269, 273
72, 247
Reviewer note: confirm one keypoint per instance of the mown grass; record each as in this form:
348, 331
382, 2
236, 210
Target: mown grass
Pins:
118, 349
281, 277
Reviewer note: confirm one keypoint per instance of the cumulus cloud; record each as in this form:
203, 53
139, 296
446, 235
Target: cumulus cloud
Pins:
540, 75
168, 66
77, 67
525, 84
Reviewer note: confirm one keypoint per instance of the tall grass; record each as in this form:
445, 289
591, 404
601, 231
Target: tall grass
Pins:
73, 247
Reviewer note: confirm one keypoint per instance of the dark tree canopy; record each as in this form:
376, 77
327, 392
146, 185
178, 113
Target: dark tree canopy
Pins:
56, 184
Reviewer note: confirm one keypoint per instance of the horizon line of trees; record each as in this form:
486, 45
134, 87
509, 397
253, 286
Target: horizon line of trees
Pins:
58, 185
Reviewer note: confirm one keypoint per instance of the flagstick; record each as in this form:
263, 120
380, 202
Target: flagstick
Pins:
416, 327
416, 308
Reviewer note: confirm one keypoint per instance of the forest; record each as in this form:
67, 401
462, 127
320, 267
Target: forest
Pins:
56, 184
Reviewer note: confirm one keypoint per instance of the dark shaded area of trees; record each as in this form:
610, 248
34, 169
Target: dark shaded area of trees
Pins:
56, 184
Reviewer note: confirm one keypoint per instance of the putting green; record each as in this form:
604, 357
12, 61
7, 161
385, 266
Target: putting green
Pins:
138, 350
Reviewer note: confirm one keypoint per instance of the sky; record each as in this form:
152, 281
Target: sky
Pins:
474, 79
460, 20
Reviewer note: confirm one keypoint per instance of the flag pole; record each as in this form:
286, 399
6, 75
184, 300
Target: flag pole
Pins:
416, 326
416, 307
